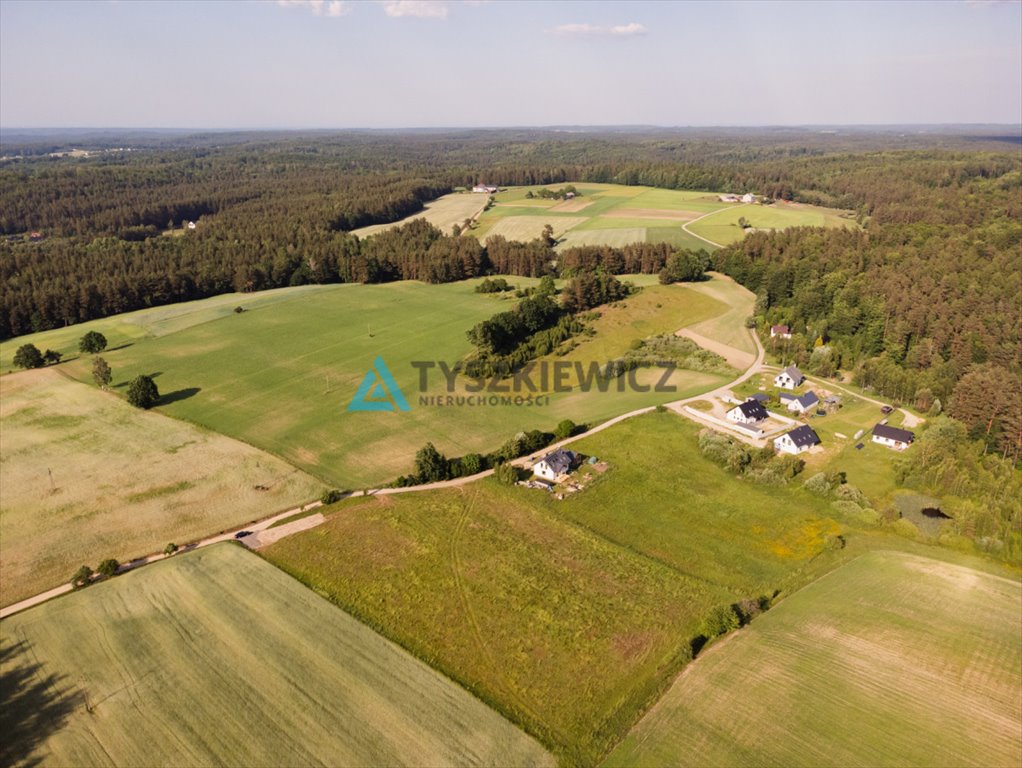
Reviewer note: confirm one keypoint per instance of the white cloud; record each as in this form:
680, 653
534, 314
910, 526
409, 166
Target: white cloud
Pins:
593, 30
332, 8
422, 9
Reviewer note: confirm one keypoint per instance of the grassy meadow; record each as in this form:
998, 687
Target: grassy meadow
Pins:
569, 616
281, 376
602, 214
893, 659
85, 476
724, 228
443, 213
216, 658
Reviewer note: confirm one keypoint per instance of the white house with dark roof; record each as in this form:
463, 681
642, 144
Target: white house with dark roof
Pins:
555, 464
790, 378
892, 437
799, 403
748, 412
799, 440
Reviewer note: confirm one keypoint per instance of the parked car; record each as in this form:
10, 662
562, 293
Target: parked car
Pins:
886, 408
242, 534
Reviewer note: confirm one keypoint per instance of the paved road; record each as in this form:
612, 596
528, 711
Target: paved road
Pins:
306, 523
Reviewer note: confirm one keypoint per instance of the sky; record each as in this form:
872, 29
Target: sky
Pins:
446, 63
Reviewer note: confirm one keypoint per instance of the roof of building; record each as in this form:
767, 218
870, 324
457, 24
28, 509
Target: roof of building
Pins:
753, 409
779, 329
804, 436
559, 461
761, 397
793, 373
807, 400
893, 433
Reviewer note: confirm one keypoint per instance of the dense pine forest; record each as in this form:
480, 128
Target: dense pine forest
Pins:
922, 304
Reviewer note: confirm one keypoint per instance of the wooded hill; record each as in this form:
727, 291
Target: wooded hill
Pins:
925, 296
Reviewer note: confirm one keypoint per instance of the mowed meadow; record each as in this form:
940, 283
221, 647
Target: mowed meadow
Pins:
893, 659
569, 616
280, 376
85, 476
217, 658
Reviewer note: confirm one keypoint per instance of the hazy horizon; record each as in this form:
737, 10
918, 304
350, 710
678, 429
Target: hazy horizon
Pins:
431, 64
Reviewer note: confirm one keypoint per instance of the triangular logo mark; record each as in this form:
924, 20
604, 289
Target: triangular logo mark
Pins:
378, 391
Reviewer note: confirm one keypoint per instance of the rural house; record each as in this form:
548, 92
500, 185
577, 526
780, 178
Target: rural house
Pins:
799, 440
799, 403
892, 437
748, 197
555, 464
780, 331
790, 378
748, 412
488, 188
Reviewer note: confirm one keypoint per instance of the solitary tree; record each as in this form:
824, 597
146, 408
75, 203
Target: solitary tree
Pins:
28, 356
51, 358
507, 473
170, 549
92, 342
431, 465
142, 392
548, 235
108, 568
564, 429
82, 577
101, 373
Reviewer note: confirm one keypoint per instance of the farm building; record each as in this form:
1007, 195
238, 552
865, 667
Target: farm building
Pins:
728, 198
799, 403
892, 437
799, 440
748, 197
780, 331
191, 225
790, 378
748, 412
487, 188
555, 464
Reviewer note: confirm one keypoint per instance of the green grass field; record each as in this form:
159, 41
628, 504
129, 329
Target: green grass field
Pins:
564, 632
217, 658
568, 615
121, 330
85, 476
893, 659
603, 214
443, 213
281, 376
723, 227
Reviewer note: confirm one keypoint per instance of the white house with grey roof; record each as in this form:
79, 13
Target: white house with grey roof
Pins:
799, 440
799, 403
892, 437
790, 378
748, 412
555, 464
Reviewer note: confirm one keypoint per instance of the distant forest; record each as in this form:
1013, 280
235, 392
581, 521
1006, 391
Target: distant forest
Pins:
921, 303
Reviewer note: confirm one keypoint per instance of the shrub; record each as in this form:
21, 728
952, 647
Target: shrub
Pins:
82, 577
564, 429
51, 358
108, 568
720, 621
332, 496
853, 494
170, 549
238, 310
507, 473
472, 464
818, 484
